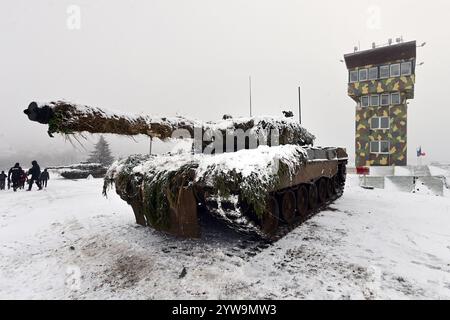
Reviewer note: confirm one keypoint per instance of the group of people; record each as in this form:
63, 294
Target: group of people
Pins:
17, 177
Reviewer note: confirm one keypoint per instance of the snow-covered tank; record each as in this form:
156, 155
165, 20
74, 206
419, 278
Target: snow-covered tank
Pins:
80, 170
259, 175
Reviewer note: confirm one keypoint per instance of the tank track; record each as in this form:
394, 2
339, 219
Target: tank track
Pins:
231, 214
285, 228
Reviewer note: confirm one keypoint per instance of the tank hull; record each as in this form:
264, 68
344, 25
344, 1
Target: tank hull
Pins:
316, 182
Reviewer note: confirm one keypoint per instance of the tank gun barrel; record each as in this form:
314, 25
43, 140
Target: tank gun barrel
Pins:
69, 118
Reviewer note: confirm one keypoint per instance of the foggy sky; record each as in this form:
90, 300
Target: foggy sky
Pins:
193, 58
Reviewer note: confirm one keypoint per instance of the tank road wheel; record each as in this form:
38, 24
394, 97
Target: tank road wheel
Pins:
269, 221
342, 174
336, 185
288, 205
330, 188
302, 201
323, 190
312, 196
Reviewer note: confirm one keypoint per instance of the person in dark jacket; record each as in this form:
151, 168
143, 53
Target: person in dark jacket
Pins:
22, 180
14, 176
45, 176
35, 173
3, 177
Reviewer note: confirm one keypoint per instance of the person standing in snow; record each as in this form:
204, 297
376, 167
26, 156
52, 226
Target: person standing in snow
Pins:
35, 173
14, 176
45, 176
3, 177
23, 179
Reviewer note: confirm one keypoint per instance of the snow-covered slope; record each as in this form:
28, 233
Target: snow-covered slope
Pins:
70, 242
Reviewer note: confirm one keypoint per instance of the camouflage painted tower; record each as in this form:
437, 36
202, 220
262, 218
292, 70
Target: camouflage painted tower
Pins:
381, 80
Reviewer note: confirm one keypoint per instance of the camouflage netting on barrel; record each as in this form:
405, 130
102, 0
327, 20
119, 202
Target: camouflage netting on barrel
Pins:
150, 184
69, 118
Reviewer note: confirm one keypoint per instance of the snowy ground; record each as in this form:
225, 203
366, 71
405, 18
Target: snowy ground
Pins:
69, 242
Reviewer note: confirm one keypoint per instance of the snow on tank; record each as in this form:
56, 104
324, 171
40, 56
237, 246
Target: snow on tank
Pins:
258, 175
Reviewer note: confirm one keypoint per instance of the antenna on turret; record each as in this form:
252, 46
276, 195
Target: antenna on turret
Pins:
299, 106
250, 89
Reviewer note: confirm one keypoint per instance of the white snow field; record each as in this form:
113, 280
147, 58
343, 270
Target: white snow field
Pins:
69, 242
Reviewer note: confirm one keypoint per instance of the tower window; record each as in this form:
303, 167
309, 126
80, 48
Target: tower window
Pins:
363, 75
373, 73
384, 146
395, 70
395, 98
381, 147
374, 100
406, 68
374, 123
384, 72
374, 147
353, 76
385, 99
365, 101
384, 123
379, 123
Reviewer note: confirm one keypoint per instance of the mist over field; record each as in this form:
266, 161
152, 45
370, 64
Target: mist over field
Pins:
194, 58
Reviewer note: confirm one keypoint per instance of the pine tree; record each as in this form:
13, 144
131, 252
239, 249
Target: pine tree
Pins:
101, 153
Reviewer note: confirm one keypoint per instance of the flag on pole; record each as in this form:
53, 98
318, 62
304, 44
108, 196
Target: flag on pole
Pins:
419, 152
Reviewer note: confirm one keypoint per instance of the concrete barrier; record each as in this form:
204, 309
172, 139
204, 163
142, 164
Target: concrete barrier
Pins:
402, 171
381, 171
430, 185
417, 179
369, 181
399, 183
420, 171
